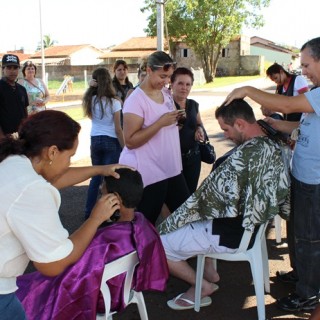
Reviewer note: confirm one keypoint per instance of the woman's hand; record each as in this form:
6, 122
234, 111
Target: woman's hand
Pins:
93, 83
169, 118
81, 238
199, 134
105, 207
110, 170
39, 102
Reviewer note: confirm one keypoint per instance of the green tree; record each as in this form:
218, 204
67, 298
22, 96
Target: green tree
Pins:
206, 26
47, 42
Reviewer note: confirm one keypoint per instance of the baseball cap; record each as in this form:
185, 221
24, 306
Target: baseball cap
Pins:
10, 60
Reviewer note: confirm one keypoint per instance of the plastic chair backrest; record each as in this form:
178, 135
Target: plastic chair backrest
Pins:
126, 264
247, 235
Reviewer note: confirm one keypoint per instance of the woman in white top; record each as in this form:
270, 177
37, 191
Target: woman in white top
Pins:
34, 163
102, 106
37, 91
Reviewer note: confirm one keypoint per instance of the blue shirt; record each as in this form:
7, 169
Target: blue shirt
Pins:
306, 156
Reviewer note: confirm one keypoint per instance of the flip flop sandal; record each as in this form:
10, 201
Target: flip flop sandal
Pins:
205, 301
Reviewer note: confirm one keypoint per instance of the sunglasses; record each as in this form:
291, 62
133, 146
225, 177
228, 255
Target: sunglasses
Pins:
166, 66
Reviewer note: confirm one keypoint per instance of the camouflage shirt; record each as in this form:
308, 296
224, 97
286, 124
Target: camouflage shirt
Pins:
253, 182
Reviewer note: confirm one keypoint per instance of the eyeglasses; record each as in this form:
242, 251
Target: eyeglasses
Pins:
166, 66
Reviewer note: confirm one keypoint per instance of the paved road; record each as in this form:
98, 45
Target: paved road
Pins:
235, 300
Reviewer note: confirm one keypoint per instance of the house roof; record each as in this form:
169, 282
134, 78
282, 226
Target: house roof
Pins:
53, 61
133, 48
264, 43
137, 43
22, 56
127, 54
62, 51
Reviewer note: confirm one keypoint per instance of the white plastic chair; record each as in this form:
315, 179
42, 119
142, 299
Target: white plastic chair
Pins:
257, 256
277, 228
125, 264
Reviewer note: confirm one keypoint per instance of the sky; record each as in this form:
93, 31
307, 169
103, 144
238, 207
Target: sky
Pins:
289, 22
104, 23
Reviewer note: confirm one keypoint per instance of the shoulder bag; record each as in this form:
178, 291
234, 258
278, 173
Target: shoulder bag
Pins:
207, 152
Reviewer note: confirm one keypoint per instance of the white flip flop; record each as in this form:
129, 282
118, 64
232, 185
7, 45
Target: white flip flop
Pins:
205, 301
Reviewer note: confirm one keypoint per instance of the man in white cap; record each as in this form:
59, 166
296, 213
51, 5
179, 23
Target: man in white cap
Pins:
13, 96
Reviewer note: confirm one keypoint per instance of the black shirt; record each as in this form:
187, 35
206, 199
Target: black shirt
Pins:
289, 92
187, 132
13, 106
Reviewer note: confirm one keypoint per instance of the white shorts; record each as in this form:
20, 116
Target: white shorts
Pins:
191, 240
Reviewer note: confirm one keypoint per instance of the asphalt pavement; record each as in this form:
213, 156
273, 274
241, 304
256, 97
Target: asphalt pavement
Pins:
235, 300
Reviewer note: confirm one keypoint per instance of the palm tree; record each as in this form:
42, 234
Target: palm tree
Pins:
47, 42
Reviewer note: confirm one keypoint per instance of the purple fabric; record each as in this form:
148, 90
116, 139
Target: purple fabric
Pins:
75, 294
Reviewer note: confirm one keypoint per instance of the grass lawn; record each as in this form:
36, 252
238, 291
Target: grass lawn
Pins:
225, 81
77, 85
76, 113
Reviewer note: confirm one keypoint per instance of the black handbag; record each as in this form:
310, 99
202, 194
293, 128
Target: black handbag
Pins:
206, 150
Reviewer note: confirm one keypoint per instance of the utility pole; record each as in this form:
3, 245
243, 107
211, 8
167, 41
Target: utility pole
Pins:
160, 4
42, 47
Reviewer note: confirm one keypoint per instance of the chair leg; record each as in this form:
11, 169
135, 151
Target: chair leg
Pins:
257, 274
265, 265
277, 226
214, 263
141, 305
199, 277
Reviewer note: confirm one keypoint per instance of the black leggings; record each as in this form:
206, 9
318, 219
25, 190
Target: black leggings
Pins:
172, 191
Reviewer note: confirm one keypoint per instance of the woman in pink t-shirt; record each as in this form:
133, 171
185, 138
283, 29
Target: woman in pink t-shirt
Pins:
152, 143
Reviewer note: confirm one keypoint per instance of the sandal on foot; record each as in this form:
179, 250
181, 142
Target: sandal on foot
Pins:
215, 287
205, 301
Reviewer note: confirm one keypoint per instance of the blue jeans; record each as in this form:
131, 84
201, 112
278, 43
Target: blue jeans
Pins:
307, 237
11, 308
104, 150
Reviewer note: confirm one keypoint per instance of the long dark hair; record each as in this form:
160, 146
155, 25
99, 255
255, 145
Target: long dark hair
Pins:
115, 80
104, 89
38, 131
276, 68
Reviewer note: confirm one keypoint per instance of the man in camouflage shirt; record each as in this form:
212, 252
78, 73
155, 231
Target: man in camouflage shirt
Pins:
251, 186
